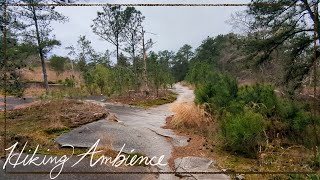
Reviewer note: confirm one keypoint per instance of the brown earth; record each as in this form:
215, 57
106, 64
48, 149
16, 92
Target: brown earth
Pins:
35, 75
42, 121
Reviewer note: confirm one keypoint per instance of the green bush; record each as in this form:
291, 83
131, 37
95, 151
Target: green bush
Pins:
259, 97
299, 119
199, 73
245, 113
14, 85
304, 177
57, 63
218, 92
243, 132
69, 82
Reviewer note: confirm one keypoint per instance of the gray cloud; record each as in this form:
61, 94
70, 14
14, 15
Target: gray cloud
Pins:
173, 26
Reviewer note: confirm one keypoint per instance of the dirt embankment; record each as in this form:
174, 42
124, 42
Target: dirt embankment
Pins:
35, 75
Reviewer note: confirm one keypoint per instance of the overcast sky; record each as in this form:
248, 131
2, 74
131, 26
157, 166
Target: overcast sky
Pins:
173, 26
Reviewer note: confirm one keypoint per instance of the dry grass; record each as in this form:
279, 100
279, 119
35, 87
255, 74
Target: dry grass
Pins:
34, 91
35, 75
283, 160
189, 115
139, 99
41, 122
204, 141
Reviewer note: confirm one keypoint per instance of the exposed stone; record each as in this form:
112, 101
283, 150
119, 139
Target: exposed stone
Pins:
113, 117
240, 177
197, 164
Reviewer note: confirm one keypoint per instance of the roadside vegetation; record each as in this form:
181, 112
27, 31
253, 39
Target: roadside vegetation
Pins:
255, 101
59, 84
137, 71
256, 92
39, 123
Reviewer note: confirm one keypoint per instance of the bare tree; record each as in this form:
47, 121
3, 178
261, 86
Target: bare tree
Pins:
145, 46
110, 25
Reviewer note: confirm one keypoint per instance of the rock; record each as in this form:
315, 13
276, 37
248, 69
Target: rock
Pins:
240, 177
100, 115
112, 117
197, 164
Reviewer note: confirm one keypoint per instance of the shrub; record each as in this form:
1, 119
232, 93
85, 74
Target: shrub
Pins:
218, 92
14, 85
236, 107
243, 132
259, 97
199, 73
299, 120
57, 63
69, 82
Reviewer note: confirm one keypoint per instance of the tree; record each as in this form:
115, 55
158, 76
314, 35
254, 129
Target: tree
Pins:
205, 59
123, 61
34, 24
102, 77
145, 46
209, 50
133, 34
110, 25
291, 26
166, 77
83, 51
123, 74
57, 63
104, 58
16, 53
159, 74
15, 56
200, 72
153, 70
181, 61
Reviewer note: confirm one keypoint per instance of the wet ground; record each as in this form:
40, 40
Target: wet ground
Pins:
13, 102
138, 130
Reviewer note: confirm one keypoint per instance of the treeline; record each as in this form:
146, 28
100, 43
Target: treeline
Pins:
136, 67
100, 75
236, 78
249, 118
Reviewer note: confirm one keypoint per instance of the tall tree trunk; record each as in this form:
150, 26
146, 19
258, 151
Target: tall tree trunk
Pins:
145, 78
315, 18
118, 69
133, 56
117, 53
40, 49
134, 61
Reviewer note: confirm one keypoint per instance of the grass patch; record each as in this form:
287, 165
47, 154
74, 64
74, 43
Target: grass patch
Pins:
63, 92
43, 121
167, 98
188, 115
57, 131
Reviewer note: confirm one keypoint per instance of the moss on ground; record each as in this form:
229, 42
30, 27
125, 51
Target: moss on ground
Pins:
168, 98
40, 123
